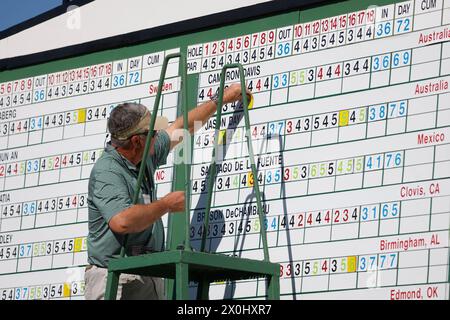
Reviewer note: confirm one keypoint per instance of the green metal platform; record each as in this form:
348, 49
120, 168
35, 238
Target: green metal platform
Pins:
185, 265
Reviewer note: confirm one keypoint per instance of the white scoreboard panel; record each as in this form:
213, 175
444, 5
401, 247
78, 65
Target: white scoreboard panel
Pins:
350, 126
53, 129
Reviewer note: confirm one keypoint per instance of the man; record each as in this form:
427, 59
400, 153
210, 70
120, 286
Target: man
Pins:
112, 183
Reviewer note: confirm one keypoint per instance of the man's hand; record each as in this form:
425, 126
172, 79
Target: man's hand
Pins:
174, 201
139, 217
233, 93
202, 113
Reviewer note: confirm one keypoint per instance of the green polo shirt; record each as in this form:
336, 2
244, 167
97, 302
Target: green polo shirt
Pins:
111, 190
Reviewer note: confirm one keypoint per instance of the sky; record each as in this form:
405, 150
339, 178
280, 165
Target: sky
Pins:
13, 12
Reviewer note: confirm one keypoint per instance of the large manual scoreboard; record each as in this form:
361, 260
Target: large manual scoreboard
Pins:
350, 126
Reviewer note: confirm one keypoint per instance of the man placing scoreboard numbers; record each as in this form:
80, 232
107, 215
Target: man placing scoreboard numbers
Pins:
112, 214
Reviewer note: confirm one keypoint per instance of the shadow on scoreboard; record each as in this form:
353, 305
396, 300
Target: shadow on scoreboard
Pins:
245, 239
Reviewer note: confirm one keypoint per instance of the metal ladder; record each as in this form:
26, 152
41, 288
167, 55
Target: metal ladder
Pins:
183, 264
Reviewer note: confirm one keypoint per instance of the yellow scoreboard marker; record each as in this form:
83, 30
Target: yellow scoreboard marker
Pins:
343, 118
351, 264
67, 290
222, 136
250, 102
78, 244
81, 115
250, 181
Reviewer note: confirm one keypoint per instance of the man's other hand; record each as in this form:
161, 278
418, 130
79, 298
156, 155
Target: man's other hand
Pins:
233, 93
174, 201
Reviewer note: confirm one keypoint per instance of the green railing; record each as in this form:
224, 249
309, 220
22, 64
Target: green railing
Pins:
185, 140
203, 286
212, 167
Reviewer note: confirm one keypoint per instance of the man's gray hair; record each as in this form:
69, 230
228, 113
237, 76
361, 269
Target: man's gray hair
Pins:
124, 117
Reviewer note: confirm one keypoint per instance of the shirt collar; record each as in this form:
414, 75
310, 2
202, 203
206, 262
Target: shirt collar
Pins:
113, 151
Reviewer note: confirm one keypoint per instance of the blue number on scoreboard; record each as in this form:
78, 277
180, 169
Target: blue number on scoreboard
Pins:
403, 25
118, 80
